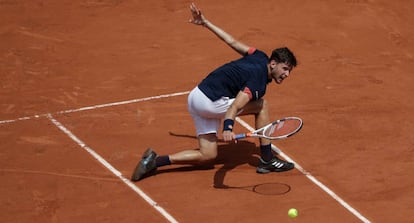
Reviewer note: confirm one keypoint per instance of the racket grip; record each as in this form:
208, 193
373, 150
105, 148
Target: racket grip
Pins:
240, 136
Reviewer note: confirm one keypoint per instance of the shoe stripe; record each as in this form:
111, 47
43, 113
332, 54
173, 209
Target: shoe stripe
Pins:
277, 164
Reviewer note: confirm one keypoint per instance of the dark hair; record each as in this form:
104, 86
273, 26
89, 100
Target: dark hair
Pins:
284, 55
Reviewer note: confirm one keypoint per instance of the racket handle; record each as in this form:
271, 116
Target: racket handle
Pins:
240, 136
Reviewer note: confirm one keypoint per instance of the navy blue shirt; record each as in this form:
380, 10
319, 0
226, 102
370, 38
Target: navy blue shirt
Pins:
248, 74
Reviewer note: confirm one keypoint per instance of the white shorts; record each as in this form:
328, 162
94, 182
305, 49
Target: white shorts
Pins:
207, 114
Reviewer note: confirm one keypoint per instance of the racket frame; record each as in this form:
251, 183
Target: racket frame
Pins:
259, 133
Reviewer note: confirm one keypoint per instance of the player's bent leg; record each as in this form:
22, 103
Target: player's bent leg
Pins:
268, 161
208, 146
260, 110
206, 152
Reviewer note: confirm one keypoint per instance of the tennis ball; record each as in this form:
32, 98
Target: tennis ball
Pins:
293, 213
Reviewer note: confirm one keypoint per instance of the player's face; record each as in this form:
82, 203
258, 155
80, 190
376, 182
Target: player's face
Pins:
280, 71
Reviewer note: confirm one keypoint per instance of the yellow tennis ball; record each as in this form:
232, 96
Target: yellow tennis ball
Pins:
293, 213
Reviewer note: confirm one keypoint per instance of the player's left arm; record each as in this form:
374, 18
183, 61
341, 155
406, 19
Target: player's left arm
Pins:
200, 19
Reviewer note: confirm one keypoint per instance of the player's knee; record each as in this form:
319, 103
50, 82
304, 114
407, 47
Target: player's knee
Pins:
208, 156
208, 153
208, 147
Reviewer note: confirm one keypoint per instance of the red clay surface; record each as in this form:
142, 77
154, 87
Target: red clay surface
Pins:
353, 88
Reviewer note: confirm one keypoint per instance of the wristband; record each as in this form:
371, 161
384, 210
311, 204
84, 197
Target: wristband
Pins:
228, 125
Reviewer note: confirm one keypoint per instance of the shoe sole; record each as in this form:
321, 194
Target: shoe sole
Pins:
264, 171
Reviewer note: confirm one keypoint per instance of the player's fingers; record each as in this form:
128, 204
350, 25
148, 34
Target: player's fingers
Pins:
227, 138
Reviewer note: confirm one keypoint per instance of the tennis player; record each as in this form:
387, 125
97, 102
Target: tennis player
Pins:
234, 89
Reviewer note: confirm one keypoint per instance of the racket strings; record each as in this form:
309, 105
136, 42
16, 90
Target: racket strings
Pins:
283, 128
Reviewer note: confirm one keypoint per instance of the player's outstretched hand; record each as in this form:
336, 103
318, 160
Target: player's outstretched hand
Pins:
198, 17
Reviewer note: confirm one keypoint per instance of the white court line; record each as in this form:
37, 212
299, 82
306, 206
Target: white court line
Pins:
97, 106
112, 169
140, 192
310, 177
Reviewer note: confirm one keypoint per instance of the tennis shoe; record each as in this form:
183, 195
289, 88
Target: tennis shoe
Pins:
146, 166
274, 165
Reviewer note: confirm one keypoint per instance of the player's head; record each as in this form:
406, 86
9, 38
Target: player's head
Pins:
281, 64
283, 55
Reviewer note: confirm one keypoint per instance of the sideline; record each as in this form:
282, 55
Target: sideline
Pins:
112, 169
310, 177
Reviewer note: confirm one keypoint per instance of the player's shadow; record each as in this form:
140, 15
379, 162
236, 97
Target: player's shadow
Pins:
234, 155
230, 155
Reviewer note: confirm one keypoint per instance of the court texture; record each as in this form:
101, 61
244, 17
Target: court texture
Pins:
87, 85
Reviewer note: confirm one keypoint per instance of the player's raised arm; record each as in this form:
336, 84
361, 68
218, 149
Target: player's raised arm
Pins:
199, 19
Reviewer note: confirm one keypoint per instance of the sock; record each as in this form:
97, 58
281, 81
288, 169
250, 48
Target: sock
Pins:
162, 161
266, 152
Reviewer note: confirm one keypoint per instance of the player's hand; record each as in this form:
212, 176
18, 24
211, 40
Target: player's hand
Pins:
228, 136
198, 17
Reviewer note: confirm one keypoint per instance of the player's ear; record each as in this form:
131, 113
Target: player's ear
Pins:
273, 64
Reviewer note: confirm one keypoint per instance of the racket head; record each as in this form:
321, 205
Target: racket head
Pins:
283, 128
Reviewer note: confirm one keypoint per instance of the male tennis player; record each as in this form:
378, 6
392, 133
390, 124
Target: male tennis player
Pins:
231, 90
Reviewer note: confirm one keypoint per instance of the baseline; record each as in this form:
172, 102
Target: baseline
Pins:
96, 107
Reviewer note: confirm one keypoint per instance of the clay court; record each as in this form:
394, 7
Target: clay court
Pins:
88, 85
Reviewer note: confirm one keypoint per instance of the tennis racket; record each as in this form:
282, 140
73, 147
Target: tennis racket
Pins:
279, 129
